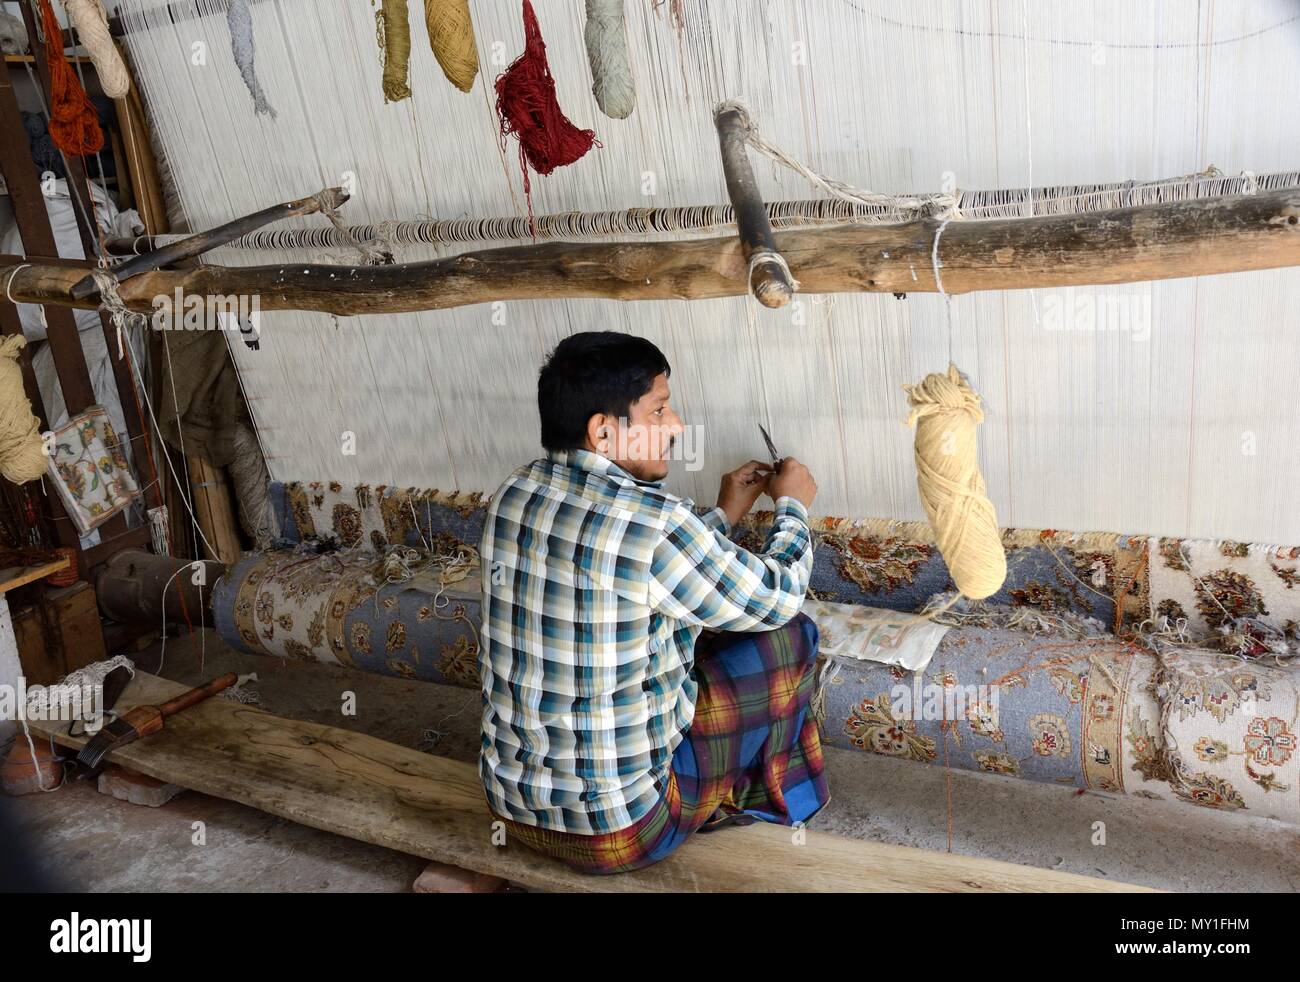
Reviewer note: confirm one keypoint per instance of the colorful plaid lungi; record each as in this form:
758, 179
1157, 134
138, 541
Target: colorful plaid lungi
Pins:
751, 750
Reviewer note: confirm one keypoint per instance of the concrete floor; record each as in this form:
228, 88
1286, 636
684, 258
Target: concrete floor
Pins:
91, 842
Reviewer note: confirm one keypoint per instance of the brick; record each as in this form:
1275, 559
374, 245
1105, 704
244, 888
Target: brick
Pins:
444, 878
136, 788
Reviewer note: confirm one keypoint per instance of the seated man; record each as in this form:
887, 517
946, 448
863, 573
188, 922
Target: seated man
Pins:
610, 734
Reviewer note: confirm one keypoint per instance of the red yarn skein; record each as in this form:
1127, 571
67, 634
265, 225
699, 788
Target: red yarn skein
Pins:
74, 125
528, 109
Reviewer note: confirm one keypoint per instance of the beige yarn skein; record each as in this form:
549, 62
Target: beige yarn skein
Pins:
946, 412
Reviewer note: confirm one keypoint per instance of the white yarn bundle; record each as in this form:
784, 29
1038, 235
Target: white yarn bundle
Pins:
90, 21
611, 72
22, 451
13, 35
240, 21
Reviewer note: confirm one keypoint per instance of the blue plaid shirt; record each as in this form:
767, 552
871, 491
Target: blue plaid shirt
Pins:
595, 588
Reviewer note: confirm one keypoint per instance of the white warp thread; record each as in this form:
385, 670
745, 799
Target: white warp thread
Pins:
1086, 417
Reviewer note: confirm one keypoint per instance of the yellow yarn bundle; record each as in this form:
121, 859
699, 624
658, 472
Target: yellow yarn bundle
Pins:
22, 451
946, 411
451, 35
397, 49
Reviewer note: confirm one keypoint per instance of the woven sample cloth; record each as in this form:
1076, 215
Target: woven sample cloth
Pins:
891, 637
90, 470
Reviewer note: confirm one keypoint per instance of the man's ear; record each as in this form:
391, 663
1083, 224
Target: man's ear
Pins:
600, 433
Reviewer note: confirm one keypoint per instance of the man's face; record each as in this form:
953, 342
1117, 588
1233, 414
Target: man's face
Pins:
641, 443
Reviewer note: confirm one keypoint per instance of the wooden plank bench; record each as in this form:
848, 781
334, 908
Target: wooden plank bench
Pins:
368, 789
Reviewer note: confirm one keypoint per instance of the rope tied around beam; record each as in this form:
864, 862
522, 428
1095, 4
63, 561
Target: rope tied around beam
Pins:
941, 205
762, 256
119, 315
371, 255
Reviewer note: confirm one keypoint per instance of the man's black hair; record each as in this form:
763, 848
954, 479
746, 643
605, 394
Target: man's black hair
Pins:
589, 373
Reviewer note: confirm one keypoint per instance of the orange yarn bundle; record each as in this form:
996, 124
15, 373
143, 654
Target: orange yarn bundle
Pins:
74, 125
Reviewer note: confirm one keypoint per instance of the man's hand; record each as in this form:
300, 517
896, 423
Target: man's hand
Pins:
740, 489
795, 480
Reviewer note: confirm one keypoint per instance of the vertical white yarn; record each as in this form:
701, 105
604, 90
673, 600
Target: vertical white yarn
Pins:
1109, 432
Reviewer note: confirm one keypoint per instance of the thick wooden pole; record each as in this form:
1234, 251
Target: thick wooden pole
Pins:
770, 279
196, 245
214, 510
1151, 242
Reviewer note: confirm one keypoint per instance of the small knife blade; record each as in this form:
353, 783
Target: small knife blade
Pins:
771, 447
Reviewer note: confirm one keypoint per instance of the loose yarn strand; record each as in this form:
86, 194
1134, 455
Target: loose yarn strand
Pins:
940, 205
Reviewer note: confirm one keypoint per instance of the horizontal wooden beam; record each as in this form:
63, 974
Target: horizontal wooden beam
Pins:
1150, 242
196, 245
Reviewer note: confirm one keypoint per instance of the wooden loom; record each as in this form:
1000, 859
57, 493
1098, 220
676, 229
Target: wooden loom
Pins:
1227, 234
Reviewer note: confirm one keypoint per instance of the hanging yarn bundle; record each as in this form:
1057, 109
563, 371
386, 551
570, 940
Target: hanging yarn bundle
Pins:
90, 21
13, 35
451, 35
395, 45
239, 19
611, 72
74, 126
22, 451
946, 411
528, 109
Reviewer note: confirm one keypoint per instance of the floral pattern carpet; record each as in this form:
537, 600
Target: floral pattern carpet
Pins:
1076, 702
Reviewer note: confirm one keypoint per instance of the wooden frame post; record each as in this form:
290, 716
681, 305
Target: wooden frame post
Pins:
769, 276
